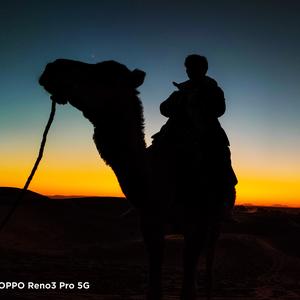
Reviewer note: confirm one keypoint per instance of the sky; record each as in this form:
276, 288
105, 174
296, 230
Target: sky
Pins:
253, 50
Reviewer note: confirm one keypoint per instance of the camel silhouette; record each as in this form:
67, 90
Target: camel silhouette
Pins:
107, 95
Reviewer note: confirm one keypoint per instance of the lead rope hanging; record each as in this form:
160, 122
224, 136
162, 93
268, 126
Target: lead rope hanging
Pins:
35, 166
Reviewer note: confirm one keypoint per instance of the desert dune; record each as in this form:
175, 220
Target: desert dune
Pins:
81, 240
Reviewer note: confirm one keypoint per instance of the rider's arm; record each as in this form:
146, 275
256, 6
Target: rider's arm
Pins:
170, 107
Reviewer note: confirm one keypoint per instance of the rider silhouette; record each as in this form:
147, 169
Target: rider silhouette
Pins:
197, 105
193, 132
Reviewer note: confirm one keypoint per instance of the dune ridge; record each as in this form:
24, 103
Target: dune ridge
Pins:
90, 239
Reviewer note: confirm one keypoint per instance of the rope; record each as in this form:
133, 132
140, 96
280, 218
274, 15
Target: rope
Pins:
35, 166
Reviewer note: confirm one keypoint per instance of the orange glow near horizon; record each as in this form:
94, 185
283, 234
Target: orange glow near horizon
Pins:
66, 182
268, 192
61, 172
100, 181
70, 173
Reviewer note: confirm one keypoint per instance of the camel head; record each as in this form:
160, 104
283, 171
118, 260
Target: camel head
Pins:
72, 81
106, 94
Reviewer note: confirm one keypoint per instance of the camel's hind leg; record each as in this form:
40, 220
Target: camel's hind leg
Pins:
195, 236
153, 234
214, 233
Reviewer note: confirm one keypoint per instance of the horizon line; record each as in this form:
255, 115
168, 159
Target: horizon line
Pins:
123, 197
64, 196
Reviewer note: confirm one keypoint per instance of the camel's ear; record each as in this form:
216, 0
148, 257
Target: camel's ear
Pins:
138, 77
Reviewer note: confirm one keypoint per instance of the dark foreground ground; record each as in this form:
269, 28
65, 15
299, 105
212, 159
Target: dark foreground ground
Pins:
88, 243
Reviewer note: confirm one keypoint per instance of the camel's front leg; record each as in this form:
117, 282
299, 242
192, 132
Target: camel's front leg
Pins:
153, 233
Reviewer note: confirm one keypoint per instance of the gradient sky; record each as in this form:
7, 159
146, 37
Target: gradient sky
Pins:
253, 49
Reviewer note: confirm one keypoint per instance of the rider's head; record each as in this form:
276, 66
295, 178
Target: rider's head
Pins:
196, 66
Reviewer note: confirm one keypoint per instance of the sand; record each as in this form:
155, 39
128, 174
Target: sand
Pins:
73, 241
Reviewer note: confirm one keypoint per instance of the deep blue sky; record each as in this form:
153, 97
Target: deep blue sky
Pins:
253, 48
